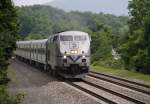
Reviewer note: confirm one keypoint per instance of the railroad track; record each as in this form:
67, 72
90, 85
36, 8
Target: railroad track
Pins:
116, 93
98, 96
98, 91
140, 87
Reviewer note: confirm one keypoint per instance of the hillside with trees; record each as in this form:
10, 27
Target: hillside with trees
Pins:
47, 20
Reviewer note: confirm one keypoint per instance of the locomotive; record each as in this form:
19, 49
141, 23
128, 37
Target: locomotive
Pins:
65, 53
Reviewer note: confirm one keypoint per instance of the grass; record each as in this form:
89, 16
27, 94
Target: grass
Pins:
121, 73
12, 75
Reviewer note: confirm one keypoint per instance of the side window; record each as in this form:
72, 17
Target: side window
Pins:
23, 47
55, 39
48, 54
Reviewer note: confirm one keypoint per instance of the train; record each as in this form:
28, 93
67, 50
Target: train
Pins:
65, 53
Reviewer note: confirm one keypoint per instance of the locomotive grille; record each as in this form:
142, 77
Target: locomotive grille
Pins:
74, 58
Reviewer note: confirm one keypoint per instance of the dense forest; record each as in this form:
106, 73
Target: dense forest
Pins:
47, 20
135, 50
107, 31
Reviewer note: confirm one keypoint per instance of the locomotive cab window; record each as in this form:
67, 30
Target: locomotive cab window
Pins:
55, 38
80, 38
66, 38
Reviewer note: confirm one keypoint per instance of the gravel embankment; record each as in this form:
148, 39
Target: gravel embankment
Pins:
40, 88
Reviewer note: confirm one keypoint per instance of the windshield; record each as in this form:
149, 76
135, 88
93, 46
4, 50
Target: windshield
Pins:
66, 38
80, 38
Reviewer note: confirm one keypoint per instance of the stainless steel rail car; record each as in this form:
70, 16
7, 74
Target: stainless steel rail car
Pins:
66, 53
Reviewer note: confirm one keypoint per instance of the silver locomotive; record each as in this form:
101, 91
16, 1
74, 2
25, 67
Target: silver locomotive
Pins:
66, 53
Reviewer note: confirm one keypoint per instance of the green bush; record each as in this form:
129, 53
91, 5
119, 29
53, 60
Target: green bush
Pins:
3, 76
5, 98
112, 63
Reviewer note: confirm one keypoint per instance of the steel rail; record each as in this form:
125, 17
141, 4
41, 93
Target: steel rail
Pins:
117, 82
91, 93
114, 93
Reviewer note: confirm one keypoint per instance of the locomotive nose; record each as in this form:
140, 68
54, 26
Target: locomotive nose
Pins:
74, 58
67, 60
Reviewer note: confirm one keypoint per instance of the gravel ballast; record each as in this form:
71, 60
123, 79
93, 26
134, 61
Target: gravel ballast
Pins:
40, 88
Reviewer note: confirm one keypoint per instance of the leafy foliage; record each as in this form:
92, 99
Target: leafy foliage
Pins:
8, 37
136, 50
8, 30
5, 98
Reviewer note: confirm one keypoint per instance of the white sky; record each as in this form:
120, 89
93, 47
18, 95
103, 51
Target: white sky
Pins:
29, 2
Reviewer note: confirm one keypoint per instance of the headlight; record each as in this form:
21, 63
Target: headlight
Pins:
74, 52
65, 57
83, 56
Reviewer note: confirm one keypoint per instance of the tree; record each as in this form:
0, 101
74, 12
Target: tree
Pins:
8, 37
8, 32
101, 44
136, 49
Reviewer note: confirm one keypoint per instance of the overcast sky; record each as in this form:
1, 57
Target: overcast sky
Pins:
30, 2
117, 7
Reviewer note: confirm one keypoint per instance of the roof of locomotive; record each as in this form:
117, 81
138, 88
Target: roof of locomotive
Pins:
73, 33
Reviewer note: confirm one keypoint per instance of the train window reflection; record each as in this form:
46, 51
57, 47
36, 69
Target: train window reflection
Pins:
80, 38
66, 38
